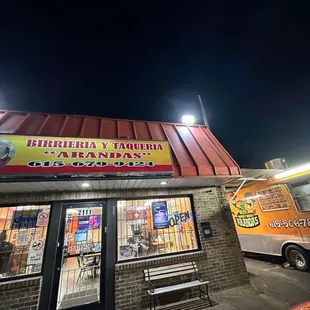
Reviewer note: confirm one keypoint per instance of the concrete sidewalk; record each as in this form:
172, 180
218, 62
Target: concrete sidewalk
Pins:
240, 298
245, 298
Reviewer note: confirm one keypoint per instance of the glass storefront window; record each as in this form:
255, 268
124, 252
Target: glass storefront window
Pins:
23, 231
148, 227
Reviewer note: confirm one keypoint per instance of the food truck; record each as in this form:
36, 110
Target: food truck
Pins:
272, 214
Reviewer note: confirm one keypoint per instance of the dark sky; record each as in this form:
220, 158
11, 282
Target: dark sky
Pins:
144, 60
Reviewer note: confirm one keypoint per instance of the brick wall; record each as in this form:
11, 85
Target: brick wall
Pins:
220, 260
20, 294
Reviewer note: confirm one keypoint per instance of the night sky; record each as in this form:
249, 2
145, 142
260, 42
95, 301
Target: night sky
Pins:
149, 60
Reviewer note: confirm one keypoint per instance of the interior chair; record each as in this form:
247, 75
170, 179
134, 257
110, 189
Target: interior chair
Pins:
84, 267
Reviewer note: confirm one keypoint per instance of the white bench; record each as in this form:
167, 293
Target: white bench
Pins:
154, 274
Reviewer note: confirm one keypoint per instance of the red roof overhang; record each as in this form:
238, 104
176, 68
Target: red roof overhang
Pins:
195, 151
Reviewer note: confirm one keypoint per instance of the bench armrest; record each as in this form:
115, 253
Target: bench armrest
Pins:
200, 277
152, 288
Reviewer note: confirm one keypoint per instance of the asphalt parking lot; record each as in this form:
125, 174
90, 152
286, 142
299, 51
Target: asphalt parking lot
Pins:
284, 286
272, 287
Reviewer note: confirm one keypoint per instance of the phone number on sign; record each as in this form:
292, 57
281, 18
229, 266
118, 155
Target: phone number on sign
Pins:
290, 223
39, 163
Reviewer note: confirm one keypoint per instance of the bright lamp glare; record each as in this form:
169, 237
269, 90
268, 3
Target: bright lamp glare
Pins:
188, 119
293, 171
85, 185
253, 197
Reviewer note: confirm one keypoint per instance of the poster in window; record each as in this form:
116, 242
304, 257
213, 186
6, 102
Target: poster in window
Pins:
24, 219
36, 251
81, 247
81, 236
160, 215
22, 237
42, 219
128, 251
98, 247
136, 215
94, 222
83, 222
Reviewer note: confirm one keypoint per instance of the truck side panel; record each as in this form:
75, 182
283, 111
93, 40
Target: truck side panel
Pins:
266, 218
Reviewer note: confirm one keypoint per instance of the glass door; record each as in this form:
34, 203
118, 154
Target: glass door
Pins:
82, 255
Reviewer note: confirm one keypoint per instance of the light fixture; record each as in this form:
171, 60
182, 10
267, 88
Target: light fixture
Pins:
188, 119
85, 185
293, 171
163, 183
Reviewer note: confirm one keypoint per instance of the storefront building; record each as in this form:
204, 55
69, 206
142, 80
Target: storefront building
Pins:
88, 203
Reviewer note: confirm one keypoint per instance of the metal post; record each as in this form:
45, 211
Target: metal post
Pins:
238, 189
203, 112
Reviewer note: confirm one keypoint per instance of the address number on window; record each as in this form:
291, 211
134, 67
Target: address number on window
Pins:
84, 212
290, 223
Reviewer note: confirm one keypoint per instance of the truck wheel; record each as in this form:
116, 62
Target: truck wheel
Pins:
297, 257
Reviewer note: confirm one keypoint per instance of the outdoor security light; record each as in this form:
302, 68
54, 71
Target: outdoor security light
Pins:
188, 119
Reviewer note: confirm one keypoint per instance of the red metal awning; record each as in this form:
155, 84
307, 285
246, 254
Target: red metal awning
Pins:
195, 151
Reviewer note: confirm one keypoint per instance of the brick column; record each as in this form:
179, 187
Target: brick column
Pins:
20, 294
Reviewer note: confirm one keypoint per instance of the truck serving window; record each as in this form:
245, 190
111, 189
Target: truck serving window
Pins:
301, 193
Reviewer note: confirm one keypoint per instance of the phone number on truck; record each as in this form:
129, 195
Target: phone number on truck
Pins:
290, 223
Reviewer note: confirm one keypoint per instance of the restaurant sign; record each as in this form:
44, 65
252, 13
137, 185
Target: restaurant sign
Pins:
35, 156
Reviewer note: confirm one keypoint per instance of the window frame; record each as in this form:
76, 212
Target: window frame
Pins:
29, 203
295, 197
190, 196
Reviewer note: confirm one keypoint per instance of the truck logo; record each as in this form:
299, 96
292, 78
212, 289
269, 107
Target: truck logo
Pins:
245, 212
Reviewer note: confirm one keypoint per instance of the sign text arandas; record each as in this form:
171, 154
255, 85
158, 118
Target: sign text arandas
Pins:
25, 155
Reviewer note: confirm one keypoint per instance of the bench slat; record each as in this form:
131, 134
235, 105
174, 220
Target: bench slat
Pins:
169, 275
170, 266
177, 287
170, 270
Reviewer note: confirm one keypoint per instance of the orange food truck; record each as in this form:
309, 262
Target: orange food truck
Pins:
272, 214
